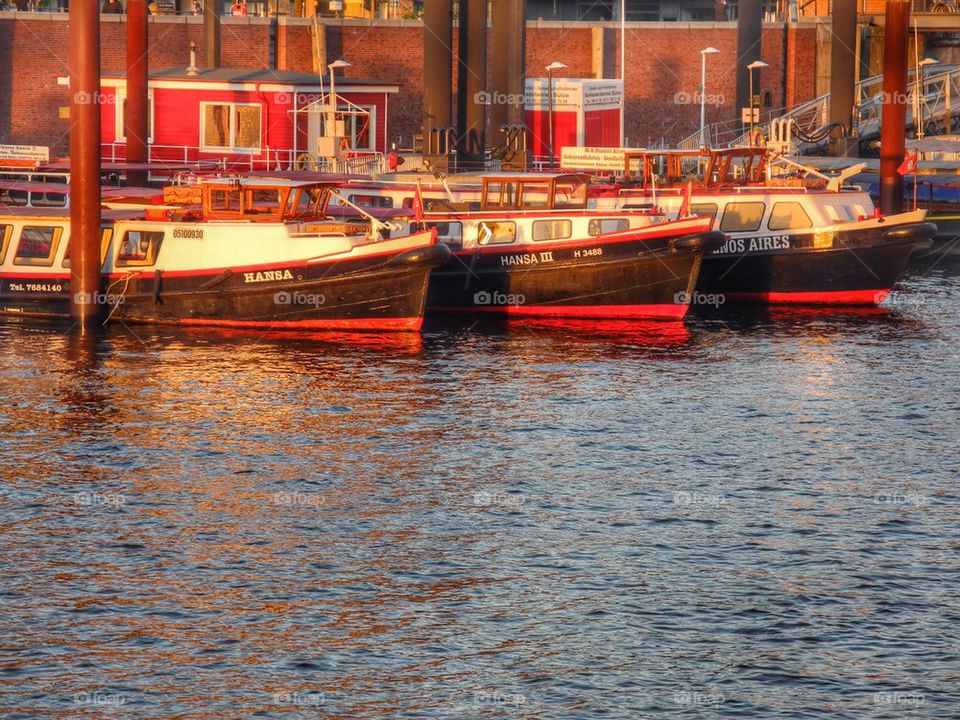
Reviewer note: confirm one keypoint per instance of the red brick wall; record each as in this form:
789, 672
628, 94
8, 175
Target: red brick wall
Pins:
663, 67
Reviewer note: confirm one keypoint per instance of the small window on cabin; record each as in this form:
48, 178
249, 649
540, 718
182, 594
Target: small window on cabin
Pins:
264, 200
48, 199
788, 216
602, 226
742, 216
372, 201
840, 213
552, 229
17, 198
38, 245
407, 203
5, 232
501, 194
449, 233
570, 194
230, 126
227, 199
536, 195
496, 233
105, 236
139, 248
705, 210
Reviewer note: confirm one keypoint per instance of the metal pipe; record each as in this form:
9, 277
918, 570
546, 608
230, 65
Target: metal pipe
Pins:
472, 80
84, 53
749, 27
893, 122
135, 116
211, 33
843, 69
508, 43
437, 67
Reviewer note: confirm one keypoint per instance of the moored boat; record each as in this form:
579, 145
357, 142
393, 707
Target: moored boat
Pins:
791, 241
261, 254
530, 246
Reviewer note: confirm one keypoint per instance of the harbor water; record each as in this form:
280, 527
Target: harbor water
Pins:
752, 515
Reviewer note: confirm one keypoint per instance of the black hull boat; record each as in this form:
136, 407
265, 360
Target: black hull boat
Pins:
531, 247
267, 258
847, 267
645, 274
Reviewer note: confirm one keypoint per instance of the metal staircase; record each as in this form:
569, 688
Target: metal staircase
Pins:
935, 111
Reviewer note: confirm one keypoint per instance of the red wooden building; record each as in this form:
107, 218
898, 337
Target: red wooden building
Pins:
585, 113
248, 119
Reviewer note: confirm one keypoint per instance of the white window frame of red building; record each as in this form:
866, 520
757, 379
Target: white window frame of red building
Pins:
232, 147
119, 133
371, 132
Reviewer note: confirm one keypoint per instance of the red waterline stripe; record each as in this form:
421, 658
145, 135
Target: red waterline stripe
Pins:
835, 297
664, 311
411, 324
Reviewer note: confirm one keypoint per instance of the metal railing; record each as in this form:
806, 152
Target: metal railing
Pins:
933, 106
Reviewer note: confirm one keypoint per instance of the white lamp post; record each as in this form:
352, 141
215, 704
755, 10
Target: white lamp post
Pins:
755, 65
921, 92
550, 68
335, 65
703, 91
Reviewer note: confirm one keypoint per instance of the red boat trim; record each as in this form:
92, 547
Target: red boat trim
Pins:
663, 311
411, 324
835, 297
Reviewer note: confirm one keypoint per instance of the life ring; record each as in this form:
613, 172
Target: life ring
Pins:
305, 161
238, 10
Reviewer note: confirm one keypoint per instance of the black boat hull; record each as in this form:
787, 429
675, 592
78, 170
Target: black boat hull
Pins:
856, 268
386, 293
650, 279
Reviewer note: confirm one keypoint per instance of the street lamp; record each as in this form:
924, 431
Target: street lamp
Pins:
335, 65
755, 65
703, 91
550, 68
921, 92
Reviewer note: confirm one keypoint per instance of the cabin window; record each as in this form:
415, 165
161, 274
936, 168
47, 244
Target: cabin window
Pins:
501, 194
120, 116
607, 225
359, 122
374, 201
788, 216
407, 203
230, 126
38, 245
570, 194
449, 233
139, 248
536, 195
552, 229
496, 233
742, 216
105, 236
841, 213
225, 200
5, 232
705, 210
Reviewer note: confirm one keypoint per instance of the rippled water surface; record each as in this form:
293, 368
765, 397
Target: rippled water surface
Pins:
754, 516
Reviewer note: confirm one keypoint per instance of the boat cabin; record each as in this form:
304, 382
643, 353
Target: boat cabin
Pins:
534, 192
706, 168
260, 201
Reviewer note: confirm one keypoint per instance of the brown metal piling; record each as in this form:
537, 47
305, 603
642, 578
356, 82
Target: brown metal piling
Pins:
84, 54
135, 125
893, 121
437, 67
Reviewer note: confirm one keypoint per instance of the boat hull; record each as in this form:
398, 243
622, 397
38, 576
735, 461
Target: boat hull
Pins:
649, 279
858, 268
375, 294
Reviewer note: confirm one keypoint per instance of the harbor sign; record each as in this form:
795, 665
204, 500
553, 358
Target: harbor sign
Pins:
33, 153
610, 159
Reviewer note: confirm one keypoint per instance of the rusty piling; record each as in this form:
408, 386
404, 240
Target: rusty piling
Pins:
84, 55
